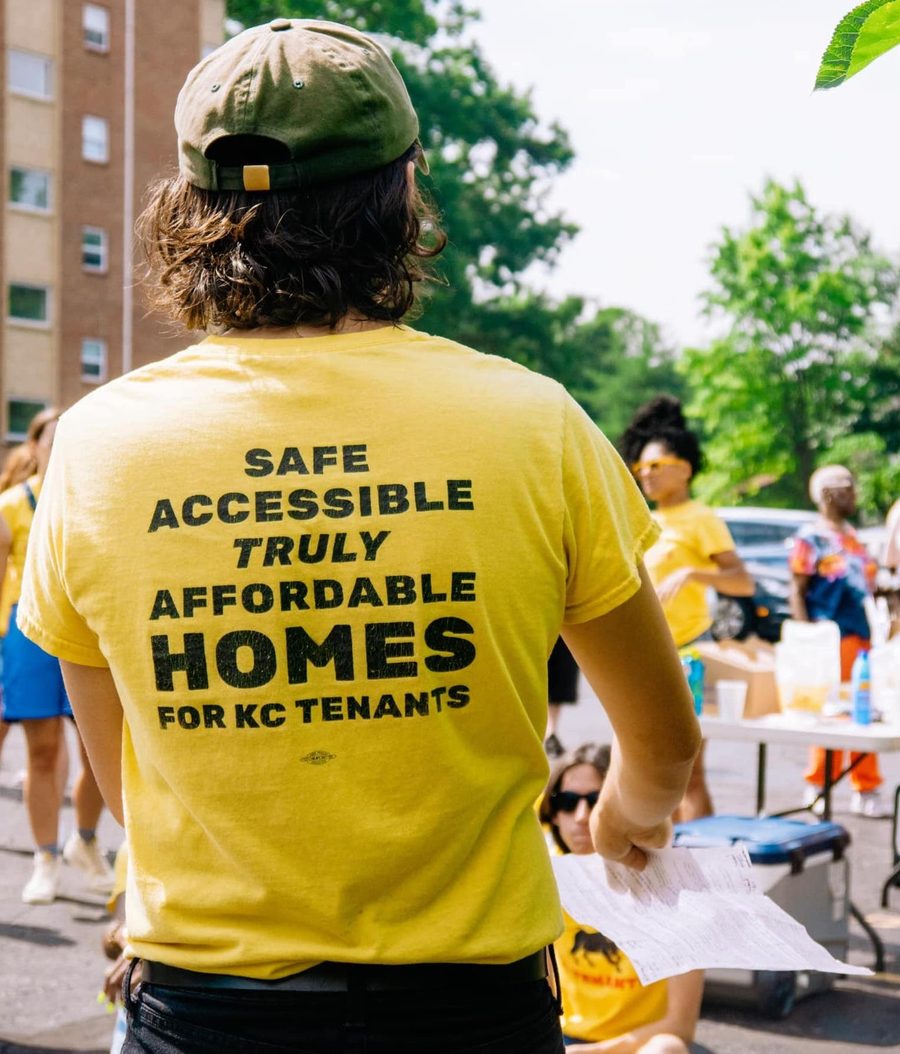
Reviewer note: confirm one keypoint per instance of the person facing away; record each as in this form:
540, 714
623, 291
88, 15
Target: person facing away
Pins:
695, 550
832, 573
605, 1006
305, 591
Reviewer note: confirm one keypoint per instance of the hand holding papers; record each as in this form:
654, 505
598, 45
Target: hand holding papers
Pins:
689, 909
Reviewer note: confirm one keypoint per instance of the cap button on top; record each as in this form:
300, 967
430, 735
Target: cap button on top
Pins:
280, 23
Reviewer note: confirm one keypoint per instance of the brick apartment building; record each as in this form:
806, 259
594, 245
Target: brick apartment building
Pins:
87, 109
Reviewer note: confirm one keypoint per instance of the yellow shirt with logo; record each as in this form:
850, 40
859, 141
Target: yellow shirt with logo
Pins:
326, 575
601, 994
15, 508
691, 534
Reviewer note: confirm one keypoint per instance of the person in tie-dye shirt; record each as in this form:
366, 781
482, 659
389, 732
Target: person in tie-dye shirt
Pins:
832, 574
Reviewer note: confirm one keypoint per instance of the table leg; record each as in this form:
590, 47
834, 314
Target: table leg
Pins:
761, 779
893, 879
872, 935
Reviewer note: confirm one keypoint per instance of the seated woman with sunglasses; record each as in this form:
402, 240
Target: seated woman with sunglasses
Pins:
695, 550
605, 1007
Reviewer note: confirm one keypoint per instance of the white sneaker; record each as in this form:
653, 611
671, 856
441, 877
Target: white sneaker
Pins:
88, 858
870, 804
809, 800
41, 887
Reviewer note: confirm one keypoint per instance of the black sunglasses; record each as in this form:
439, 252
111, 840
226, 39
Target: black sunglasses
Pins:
568, 801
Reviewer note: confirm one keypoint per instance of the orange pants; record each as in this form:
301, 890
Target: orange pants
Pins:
867, 775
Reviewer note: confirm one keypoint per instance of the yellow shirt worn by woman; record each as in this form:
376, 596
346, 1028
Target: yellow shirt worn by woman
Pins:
15, 508
601, 994
691, 535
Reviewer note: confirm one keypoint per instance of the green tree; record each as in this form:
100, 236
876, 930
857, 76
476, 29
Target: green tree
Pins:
799, 293
624, 363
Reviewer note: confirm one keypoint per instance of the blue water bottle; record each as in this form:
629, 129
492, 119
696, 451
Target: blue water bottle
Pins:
862, 695
693, 668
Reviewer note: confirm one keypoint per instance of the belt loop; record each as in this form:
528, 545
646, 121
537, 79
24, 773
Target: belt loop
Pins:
553, 978
129, 999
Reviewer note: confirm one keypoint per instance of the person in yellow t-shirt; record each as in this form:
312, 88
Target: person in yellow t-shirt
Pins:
34, 695
694, 552
304, 591
606, 1009
17, 467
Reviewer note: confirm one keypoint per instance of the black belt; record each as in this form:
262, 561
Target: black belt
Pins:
344, 977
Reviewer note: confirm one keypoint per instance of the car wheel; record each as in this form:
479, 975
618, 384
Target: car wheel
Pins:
733, 618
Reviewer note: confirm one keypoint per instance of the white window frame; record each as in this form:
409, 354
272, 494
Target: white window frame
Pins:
24, 206
42, 404
101, 250
45, 94
31, 323
96, 342
100, 13
86, 118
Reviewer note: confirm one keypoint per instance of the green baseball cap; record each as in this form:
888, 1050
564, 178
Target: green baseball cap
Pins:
330, 98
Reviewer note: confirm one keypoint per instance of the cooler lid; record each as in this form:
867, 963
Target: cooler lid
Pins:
769, 839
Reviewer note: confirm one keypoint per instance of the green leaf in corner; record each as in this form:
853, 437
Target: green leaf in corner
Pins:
868, 31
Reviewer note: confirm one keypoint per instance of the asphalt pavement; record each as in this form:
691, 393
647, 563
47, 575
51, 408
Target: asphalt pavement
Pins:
51, 964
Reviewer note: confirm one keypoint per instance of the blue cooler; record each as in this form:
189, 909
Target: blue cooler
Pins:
803, 868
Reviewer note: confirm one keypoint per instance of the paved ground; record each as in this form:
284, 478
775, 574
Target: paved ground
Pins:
51, 964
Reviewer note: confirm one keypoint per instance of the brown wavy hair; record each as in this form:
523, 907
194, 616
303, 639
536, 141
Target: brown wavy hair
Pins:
240, 260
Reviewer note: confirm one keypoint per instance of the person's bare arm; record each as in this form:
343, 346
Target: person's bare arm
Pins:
799, 588
685, 995
630, 661
98, 714
730, 578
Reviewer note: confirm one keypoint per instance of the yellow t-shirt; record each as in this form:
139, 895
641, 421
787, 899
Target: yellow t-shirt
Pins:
691, 534
15, 508
601, 994
326, 575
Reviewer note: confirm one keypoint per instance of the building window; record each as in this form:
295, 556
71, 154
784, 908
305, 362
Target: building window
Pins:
95, 22
95, 139
29, 188
28, 303
94, 249
93, 360
19, 413
30, 74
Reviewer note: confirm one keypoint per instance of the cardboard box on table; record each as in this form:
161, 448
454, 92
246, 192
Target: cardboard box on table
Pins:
751, 660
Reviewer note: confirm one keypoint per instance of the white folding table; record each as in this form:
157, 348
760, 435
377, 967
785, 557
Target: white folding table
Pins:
829, 733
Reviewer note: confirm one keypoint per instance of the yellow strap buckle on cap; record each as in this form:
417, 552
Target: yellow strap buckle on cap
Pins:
256, 177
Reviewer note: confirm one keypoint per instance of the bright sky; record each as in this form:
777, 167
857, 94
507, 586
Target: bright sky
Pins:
677, 109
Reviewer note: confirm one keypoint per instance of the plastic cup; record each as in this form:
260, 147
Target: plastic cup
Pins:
730, 696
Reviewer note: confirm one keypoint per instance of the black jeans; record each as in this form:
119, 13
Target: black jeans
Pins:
519, 1019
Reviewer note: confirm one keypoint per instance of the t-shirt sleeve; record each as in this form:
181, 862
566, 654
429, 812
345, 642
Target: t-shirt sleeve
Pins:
712, 535
607, 527
46, 613
803, 559
11, 507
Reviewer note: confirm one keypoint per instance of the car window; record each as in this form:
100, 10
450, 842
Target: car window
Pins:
760, 533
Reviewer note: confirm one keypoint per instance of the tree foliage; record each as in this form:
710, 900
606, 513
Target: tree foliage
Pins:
800, 294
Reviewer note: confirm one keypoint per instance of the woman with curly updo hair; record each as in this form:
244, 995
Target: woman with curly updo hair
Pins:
695, 550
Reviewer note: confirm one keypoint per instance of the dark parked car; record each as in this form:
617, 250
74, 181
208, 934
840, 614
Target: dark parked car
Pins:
762, 538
